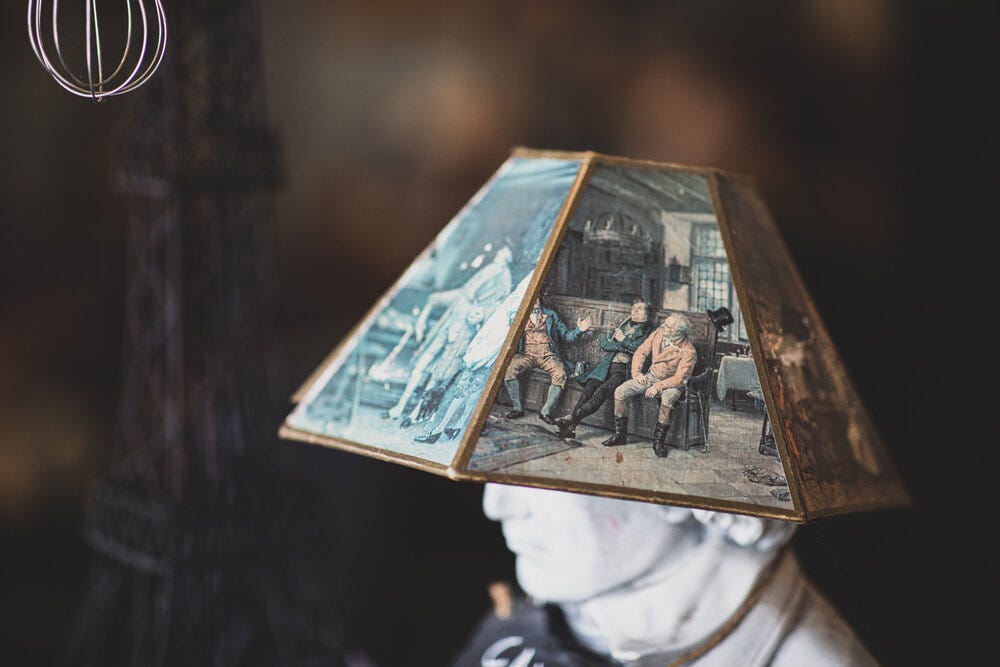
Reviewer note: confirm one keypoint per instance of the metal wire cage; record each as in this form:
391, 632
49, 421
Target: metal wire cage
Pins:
144, 42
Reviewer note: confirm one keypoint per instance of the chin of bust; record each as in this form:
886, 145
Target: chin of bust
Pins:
546, 586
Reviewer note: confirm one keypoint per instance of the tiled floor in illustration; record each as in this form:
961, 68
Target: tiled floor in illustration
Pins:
734, 438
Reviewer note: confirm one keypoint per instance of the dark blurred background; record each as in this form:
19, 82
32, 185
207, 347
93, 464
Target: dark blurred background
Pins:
869, 123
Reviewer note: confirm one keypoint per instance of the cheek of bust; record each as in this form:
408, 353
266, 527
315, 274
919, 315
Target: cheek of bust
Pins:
599, 553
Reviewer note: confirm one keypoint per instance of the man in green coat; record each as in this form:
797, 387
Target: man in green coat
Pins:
599, 385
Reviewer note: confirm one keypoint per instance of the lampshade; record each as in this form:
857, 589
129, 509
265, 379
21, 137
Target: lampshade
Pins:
614, 327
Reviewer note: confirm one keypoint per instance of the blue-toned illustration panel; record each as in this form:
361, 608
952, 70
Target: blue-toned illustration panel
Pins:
411, 376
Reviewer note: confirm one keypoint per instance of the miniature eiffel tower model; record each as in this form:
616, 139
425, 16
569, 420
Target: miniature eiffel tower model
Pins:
198, 559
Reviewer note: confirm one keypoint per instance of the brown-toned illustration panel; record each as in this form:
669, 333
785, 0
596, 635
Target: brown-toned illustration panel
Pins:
633, 369
835, 453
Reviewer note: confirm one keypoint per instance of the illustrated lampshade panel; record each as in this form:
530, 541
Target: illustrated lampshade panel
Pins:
653, 306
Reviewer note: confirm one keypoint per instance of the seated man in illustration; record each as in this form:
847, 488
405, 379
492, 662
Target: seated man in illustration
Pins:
540, 348
599, 384
672, 358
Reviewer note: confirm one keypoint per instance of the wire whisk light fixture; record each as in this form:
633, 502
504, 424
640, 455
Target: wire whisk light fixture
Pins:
143, 43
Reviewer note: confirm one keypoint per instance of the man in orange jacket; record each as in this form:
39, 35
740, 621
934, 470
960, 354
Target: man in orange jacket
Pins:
672, 358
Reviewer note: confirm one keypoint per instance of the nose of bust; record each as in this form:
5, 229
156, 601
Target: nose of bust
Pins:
501, 501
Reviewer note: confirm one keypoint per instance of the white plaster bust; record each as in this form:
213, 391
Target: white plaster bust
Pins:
649, 584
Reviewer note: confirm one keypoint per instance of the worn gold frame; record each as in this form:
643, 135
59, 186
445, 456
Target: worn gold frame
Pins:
805, 507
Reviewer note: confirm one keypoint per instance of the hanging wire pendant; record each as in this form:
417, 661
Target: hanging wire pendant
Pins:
144, 43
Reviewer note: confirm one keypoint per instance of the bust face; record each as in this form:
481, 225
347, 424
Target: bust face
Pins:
571, 547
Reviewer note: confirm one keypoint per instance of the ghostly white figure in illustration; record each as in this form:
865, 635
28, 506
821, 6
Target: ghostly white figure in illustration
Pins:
478, 360
482, 292
645, 584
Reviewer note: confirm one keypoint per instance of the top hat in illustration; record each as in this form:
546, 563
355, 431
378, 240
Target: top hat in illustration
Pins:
720, 318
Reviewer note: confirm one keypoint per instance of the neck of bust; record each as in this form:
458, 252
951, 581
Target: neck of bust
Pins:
675, 607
